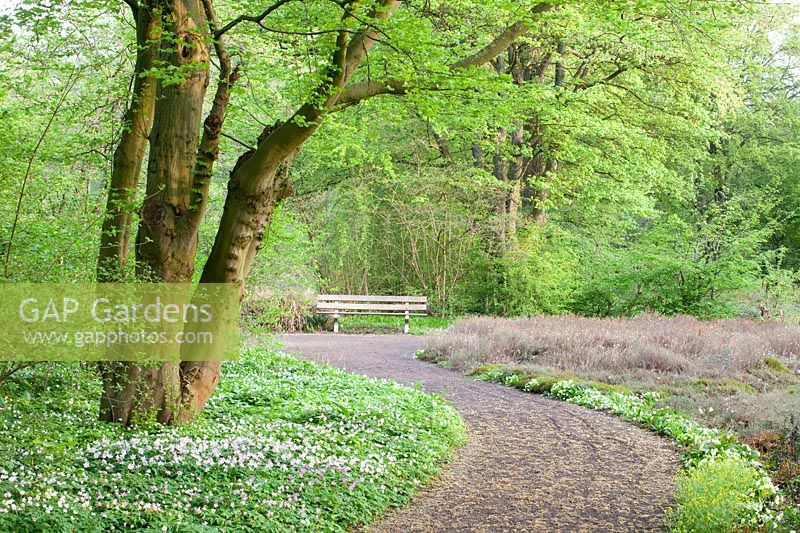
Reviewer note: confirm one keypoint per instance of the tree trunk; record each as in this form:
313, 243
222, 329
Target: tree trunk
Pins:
166, 242
258, 181
514, 201
500, 171
167, 239
547, 168
541, 193
177, 185
180, 167
135, 393
516, 177
129, 154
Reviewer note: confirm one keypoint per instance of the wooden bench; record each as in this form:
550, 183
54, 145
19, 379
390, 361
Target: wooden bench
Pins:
350, 304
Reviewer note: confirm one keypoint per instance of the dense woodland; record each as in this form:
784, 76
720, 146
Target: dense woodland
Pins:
613, 157
604, 158
516, 158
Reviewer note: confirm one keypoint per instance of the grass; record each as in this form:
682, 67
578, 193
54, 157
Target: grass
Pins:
283, 445
420, 325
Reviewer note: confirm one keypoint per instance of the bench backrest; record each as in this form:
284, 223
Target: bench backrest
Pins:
352, 304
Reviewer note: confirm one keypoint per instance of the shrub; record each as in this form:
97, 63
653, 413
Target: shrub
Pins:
648, 347
289, 311
715, 496
775, 365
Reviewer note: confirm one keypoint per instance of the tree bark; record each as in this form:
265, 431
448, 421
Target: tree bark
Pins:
167, 238
129, 153
166, 242
134, 393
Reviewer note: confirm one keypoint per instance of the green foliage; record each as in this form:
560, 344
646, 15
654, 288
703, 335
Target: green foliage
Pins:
775, 365
662, 200
420, 325
538, 276
56, 145
385, 223
715, 496
723, 386
283, 444
672, 265
287, 261
675, 189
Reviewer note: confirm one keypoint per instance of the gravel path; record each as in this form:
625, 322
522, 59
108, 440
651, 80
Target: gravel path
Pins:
530, 463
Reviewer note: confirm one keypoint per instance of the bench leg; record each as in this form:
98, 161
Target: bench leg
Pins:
405, 326
336, 322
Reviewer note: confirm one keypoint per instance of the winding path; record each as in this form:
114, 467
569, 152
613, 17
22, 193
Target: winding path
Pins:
530, 463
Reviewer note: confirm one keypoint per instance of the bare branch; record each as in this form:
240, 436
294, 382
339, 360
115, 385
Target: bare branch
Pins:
237, 141
301, 33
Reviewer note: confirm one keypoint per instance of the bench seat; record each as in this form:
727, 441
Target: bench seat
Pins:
353, 304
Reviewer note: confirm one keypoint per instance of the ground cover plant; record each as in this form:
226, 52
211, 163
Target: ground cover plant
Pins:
737, 375
283, 445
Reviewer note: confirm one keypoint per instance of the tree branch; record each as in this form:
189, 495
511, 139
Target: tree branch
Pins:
249, 18
356, 92
134, 5
365, 39
208, 149
501, 42
237, 141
